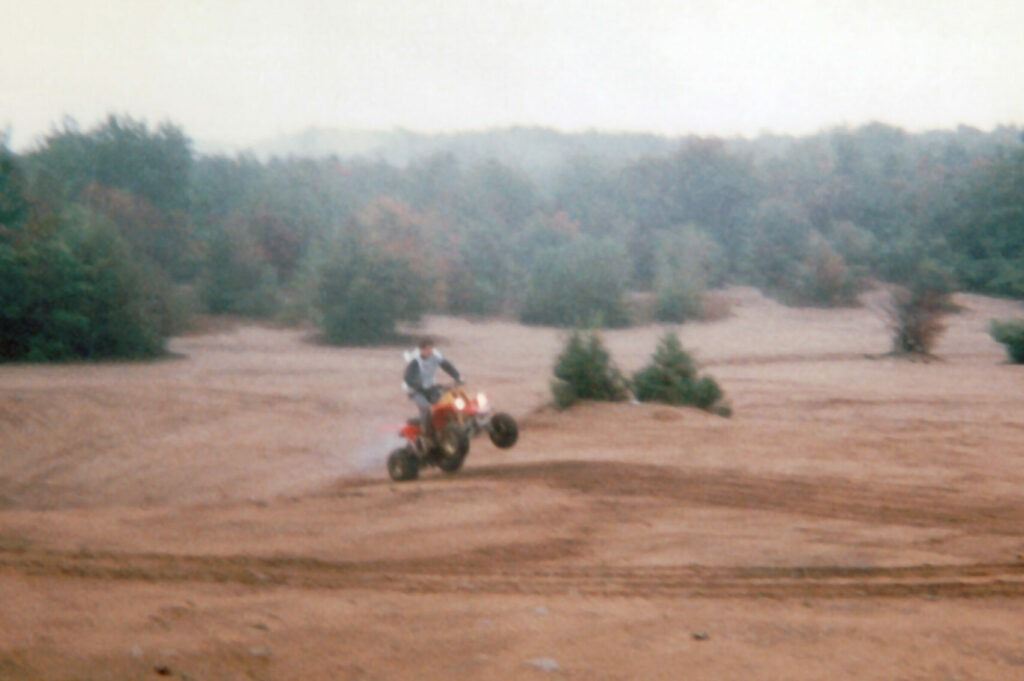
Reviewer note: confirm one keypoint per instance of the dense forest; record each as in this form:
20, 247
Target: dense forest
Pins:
112, 237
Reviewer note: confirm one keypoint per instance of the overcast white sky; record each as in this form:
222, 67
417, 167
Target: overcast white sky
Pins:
238, 71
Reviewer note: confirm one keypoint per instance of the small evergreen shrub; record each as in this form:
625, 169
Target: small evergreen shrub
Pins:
585, 371
672, 378
1011, 334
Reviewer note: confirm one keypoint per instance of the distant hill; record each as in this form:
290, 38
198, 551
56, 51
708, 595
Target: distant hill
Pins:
542, 152
531, 149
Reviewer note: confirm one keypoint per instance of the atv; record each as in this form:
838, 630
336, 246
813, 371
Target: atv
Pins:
457, 418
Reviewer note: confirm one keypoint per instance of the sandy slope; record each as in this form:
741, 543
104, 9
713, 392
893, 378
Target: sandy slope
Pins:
226, 514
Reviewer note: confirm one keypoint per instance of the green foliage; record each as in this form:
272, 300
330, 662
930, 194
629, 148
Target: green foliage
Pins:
822, 277
792, 261
78, 295
679, 297
687, 261
703, 183
137, 177
474, 296
120, 153
299, 296
480, 280
856, 245
498, 193
557, 228
985, 227
128, 307
775, 248
584, 371
363, 291
1010, 333
237, 280
13, 204
672, 378
580, 284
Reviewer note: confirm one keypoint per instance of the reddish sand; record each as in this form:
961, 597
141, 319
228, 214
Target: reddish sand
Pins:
227, 515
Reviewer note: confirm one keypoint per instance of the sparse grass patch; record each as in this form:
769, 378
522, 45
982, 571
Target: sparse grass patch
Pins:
917, 319
917, 310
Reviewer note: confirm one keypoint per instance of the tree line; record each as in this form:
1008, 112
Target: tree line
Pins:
111, 237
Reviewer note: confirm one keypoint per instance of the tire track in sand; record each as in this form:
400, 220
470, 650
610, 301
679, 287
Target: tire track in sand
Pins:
502, 576
823, 497
554, 566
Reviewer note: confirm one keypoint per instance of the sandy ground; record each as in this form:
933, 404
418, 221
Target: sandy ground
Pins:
226, 514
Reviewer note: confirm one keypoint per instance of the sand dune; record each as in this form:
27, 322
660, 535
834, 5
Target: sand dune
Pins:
226, 514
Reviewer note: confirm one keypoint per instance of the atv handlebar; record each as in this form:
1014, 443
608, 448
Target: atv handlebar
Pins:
438, 390
445, 387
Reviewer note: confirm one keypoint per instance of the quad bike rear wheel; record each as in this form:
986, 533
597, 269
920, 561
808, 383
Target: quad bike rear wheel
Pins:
403, 465
452, 448
504, 430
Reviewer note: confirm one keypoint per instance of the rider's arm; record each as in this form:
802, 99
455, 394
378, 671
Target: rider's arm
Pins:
450, 369
412, 377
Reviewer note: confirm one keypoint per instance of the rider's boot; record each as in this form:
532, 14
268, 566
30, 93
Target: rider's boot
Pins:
425, 442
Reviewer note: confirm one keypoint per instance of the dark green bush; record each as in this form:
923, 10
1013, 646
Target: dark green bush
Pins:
13, 205
237, 279
983, 225
78, 294
671, 378
584, 371
363, 292
581, 284
1011, 334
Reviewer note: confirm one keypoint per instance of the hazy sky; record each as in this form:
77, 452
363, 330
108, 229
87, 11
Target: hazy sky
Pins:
237, 71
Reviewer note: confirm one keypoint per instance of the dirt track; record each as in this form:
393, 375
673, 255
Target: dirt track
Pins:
226, 514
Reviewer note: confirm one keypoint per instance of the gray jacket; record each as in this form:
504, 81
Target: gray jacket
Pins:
421, 374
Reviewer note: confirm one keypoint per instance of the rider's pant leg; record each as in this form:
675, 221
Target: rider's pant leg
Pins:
424, 406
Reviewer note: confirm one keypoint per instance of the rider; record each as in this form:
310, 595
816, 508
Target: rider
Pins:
420, 383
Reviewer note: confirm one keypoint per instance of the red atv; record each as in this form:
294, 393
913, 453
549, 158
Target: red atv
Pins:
457, 417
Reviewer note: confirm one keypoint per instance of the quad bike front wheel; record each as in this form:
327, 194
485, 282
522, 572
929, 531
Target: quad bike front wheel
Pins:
504, 430
403, 465
452, 448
